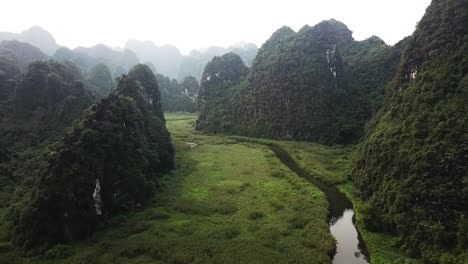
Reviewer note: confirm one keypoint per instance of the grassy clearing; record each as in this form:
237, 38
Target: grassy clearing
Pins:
227, 202
331, 165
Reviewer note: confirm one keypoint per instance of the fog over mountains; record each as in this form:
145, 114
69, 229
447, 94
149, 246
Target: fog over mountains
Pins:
166, 59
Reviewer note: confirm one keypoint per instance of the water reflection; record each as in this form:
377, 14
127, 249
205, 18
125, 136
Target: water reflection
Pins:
346, 235
340, 213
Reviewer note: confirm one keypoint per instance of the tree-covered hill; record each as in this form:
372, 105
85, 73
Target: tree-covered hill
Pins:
118, 61
45, 100
175, 96
166, 58
21, 53
216, 100
194, 64
318, 84
35, 36
100, 80
412, 167
107, 163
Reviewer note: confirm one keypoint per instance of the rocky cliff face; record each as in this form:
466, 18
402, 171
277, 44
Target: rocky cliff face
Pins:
412, 165
108, 162
317, 85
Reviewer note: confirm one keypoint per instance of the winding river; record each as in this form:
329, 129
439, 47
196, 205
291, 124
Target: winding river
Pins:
350, 248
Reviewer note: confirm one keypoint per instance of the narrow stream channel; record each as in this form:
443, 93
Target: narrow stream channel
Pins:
350, 248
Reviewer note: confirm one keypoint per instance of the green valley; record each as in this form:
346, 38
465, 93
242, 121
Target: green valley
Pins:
234, 132
227, 196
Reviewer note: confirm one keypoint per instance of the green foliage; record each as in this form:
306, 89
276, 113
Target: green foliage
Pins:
118, 62
190, 86
412, 164
21, 53
108, 162
9, 68
100, 80
177, 97
46, 100
217, 101
216, 174
316, 85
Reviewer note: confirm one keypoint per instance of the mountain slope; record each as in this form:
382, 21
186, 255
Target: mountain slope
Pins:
216, 101
35, 36
109, 162
315, 85
22, 53
174, 96
412, 166
47, 98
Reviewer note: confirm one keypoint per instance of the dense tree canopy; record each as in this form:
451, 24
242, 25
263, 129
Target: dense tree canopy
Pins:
317, 84
412, 166
22, 53
118, 62
215, 99
47, 98
107, 163
174, 96
100, 80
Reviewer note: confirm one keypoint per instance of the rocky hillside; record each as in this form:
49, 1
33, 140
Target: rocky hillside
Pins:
412, 166
35, 36
22, 54
108, 162
175, 96
45, 100
317, 84
216, 101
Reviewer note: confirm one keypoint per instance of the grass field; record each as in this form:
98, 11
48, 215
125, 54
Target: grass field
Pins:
331, 164
230, 200
227, 202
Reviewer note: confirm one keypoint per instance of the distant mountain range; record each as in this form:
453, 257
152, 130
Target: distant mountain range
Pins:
167, 59
35, 36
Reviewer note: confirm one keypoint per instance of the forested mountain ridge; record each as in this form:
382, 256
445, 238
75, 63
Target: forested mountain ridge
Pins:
317, 85
107, 163
100, 80
35, 36
47, 98
175, 96
20, 53
412, 165
195, 62
169, 61
216, 100
119, 62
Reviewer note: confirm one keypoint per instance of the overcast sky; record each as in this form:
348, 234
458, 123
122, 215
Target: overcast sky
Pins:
193, 24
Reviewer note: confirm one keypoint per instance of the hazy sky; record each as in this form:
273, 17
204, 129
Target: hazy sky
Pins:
201, 23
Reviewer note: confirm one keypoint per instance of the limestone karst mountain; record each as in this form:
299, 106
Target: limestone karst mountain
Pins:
22, 54
412, 165
317, 84
35, 36
92, 173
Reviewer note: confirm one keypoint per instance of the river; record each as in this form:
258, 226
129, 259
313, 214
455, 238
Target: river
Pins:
350, 248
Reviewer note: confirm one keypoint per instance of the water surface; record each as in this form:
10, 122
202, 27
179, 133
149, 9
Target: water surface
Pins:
350, 248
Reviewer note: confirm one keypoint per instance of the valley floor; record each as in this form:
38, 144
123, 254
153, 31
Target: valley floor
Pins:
228, 201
